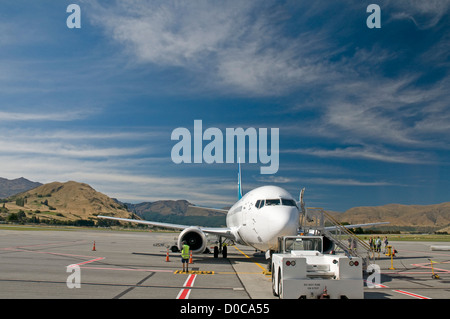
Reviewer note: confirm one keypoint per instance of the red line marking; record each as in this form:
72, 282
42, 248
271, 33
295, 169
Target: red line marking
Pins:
411, 294
428, 266
57, 254
127, 269
184, 293
415, 272
47, 244
44, 252
88, 261
376, 285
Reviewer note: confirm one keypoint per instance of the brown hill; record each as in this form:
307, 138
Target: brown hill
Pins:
178, 212
436, 216
171, 207
66, 201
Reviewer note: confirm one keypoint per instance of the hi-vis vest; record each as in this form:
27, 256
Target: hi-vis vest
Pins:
185, 252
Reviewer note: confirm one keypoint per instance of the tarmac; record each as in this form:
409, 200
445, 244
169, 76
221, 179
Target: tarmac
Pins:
105, 264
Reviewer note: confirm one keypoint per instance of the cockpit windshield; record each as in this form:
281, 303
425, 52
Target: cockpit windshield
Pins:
288, 202
274, 202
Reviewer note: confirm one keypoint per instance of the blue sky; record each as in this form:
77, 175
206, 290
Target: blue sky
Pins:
363, 114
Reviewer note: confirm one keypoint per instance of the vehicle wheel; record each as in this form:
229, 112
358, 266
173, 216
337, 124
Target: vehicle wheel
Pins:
216, 252
224, 252
280, 284
274, 292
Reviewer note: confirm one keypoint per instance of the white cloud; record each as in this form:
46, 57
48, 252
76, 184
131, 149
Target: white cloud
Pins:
124, 171
235, 45
66, 150
424, 14
241, 47
343, 182
116, 177
63, 116
273, 179
374, 153
171, 33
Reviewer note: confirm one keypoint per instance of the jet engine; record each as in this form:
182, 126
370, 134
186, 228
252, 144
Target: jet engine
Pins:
195, 238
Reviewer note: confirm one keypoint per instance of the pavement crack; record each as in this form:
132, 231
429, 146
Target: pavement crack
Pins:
131, 288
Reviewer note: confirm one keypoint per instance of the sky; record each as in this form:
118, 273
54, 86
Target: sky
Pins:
363, 113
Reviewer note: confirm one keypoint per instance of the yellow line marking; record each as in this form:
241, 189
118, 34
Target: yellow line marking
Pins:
194, 272
237, 273
264, 269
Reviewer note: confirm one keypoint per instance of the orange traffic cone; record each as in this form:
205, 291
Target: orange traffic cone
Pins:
167, 255
190, 258
93, 248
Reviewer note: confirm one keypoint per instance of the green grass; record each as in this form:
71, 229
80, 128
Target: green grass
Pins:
75, 228
29, 227
409, 237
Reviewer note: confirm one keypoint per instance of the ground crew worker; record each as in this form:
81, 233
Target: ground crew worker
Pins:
185, 256
378, 242
386, 243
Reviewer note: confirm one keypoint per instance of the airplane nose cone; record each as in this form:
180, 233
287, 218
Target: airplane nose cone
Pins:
283, 221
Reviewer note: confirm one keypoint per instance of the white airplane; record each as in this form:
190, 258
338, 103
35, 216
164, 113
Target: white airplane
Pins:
257, 219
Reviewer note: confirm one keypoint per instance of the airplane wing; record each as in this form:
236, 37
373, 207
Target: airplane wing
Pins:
356, 225
224, 232
209, 208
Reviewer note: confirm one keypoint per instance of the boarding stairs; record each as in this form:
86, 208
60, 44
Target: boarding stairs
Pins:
318, 222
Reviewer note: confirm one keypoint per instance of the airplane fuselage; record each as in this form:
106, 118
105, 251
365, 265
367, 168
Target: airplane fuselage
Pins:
262, 215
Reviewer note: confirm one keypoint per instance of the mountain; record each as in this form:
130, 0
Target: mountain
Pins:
178, 212
171, 207
14, 186
417, 216
72, 201
66, 201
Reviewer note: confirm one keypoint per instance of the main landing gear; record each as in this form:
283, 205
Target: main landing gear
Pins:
220, 249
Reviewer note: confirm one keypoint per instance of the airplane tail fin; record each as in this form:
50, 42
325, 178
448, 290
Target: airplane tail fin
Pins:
239, 181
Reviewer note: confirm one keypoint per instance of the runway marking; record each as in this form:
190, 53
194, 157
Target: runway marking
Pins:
129, 269
237, 273
87, 262
50, 253
20, 249
404, 292
264, 269
131, 288
411, 294
184, 293
436, 270
47, 244
426, 252
195, 272
376, 285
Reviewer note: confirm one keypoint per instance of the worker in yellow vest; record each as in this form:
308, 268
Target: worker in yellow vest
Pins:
185, 256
